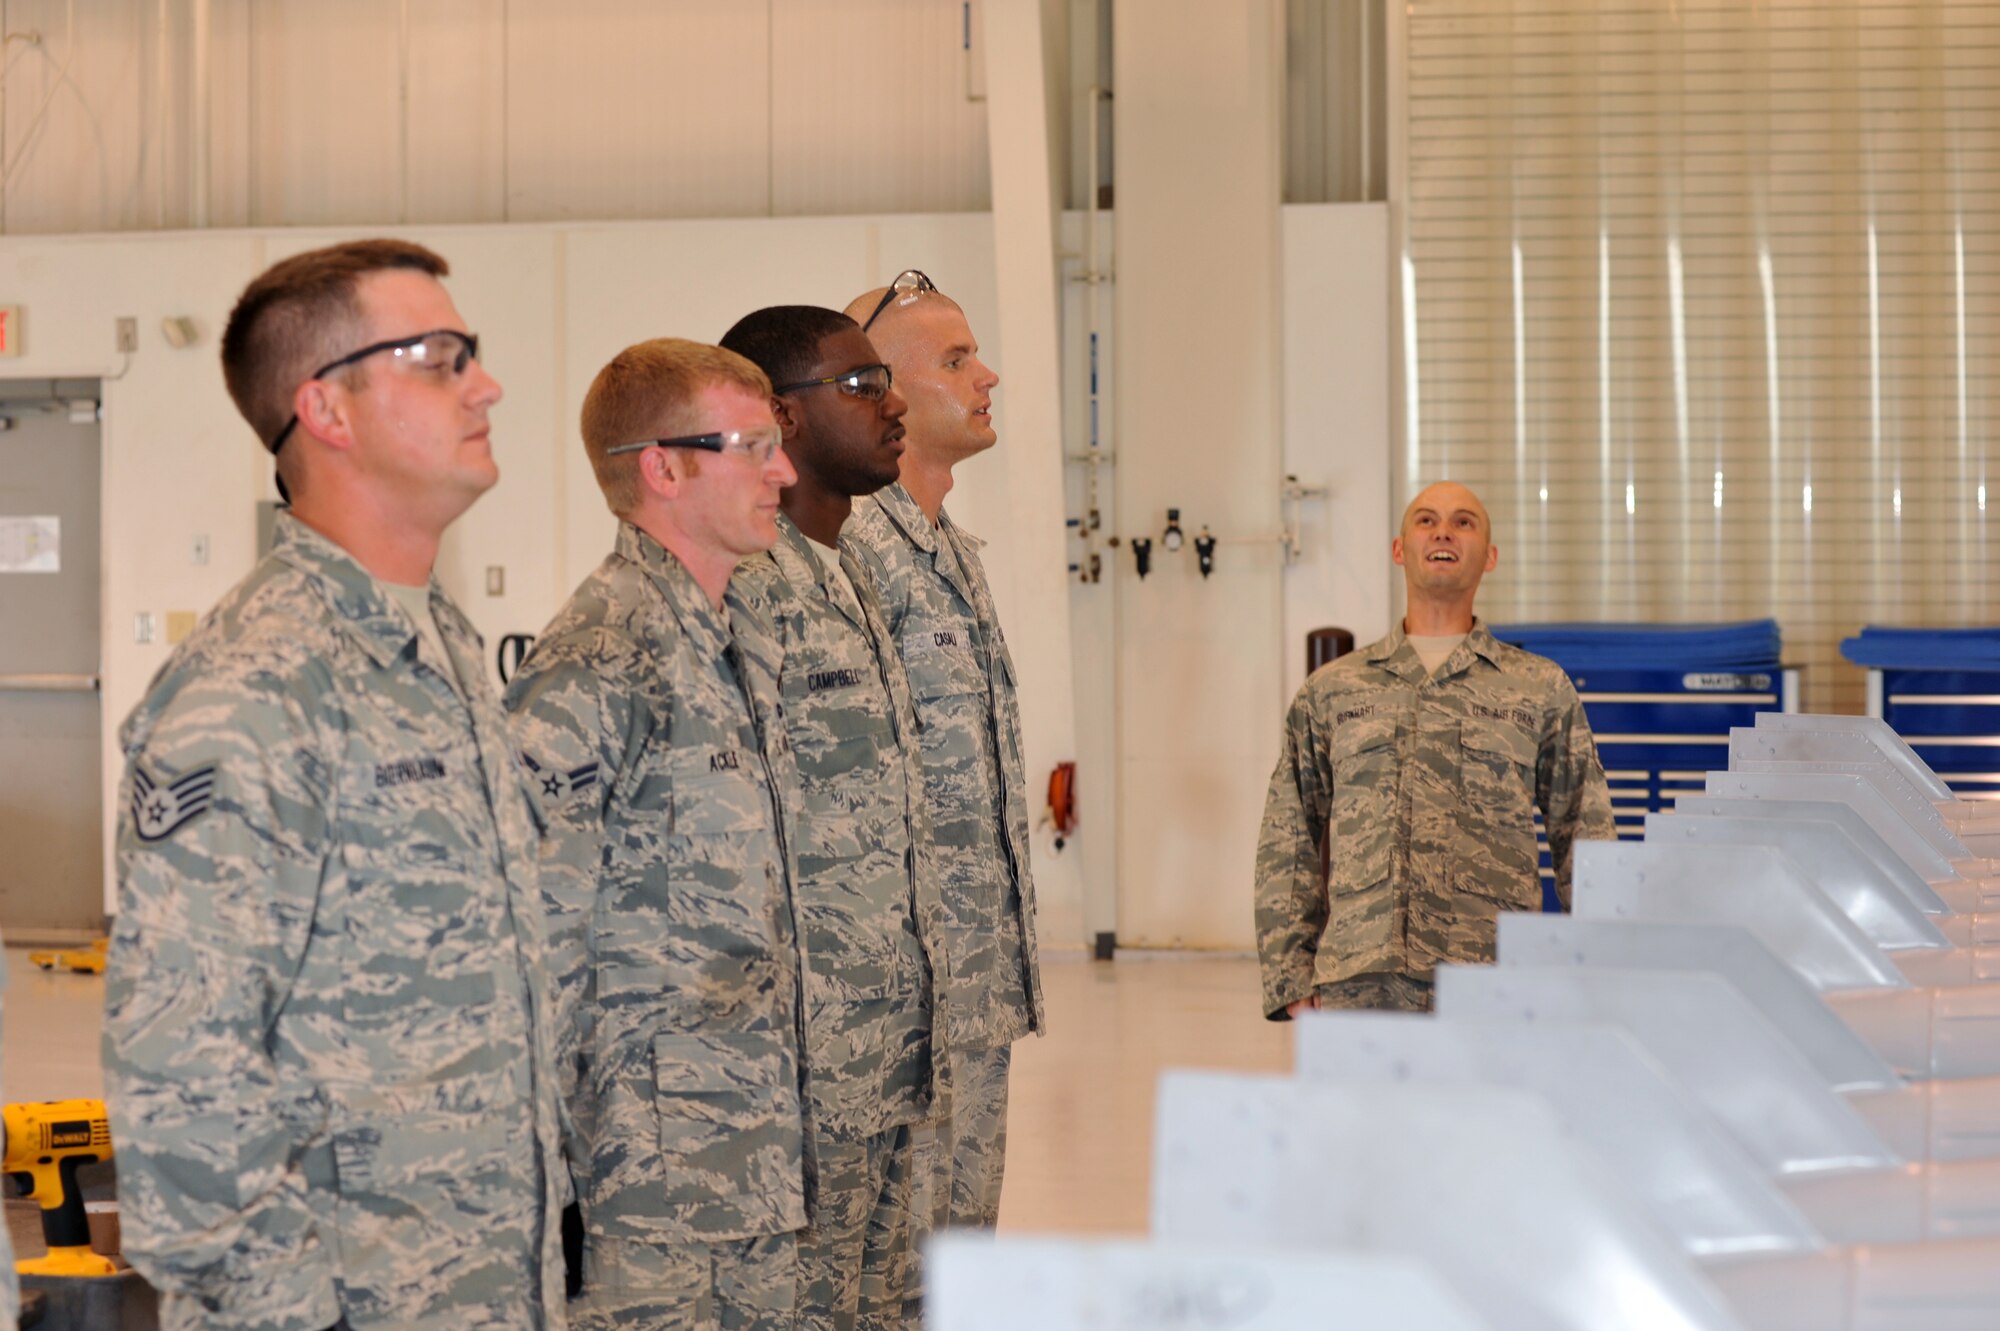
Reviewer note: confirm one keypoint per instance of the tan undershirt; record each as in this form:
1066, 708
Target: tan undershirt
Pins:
1434, 652
416, 603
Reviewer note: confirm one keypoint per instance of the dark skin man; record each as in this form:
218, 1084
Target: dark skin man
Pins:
843, 445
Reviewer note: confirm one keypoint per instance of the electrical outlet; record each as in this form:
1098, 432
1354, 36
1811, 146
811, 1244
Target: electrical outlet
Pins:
496, 580
145, 628
128, 334
198, 549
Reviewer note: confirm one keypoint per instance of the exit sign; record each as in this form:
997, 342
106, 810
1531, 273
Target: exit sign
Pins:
10, 330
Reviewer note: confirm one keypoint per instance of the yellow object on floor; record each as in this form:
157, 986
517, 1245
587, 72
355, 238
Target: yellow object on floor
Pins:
46, 1142
83, 961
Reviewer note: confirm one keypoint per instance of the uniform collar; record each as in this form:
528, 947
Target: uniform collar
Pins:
909, 518
1395, 654
794, 554
367, 612
797, 559
700, 621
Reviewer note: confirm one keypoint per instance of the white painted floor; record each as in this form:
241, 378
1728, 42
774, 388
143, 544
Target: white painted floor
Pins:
1080, 1130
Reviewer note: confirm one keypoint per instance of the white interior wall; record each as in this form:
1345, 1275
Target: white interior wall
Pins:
1200, 429
1339, 429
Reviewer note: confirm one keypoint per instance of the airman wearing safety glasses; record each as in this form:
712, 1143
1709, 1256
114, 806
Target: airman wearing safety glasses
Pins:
867, 876
328, 1047
649, 715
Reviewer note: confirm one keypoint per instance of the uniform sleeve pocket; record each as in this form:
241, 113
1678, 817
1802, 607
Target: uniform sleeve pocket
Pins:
731, 1132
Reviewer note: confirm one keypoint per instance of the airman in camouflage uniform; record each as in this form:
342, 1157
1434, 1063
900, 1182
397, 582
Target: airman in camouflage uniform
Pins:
939, 611
327, 1048
868, 888
649, 713
1421, 779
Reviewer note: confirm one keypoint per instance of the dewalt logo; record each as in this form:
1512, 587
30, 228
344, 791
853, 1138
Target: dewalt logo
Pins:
73, 1133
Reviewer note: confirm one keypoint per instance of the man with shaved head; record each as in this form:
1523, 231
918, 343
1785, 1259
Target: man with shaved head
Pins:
1418, 762
939, 613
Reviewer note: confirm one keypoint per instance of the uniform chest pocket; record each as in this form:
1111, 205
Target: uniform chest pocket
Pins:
1497, 771
1364, 753
942, 663
838, 724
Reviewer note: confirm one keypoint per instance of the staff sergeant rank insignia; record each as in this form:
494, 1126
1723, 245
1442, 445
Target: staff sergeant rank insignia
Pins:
554, 783
158, 811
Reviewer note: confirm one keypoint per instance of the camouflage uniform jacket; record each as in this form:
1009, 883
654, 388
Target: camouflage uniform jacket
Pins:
867, 886
651, 723
1426, 790
940, 613
328, 1052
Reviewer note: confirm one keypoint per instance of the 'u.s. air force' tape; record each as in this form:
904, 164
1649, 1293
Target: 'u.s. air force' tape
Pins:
557, 784
160, 810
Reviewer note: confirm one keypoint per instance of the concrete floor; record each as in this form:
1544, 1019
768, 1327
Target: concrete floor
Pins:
1080, 1129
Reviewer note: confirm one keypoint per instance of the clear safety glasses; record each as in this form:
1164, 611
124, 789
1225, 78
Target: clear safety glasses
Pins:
759, 443
869, 382
909, 285
442, 351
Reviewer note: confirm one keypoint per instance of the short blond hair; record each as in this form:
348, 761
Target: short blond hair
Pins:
649, 391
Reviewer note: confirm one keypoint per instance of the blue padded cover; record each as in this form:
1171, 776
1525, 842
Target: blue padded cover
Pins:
1924, 649
1754, 644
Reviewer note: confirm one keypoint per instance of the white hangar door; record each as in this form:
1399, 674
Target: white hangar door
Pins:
51, 807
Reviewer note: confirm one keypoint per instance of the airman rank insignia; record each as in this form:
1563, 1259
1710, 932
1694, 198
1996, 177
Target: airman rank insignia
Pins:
555, 783
158, 811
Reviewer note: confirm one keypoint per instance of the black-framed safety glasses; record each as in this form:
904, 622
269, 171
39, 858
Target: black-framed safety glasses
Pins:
869, 382
436, 349
909, 285
760, 443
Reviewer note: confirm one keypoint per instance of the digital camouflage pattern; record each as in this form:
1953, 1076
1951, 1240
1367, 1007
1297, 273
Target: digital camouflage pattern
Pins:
869, 897
965, 1189
856, 1261
867, 890
733, 1285
327, 1047
1426, 787
939, 611
653, 726
1377, 993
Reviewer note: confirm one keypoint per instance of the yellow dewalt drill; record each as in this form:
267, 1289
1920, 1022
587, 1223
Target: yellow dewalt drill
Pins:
46, 1142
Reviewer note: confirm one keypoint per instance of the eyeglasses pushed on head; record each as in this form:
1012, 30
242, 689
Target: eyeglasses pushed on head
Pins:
909, 285
760, 443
